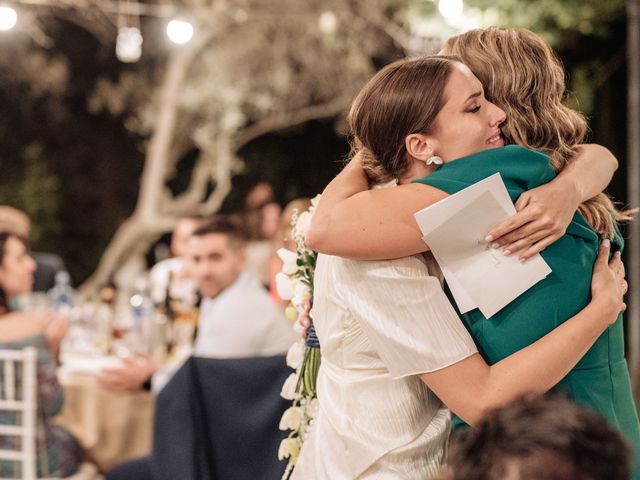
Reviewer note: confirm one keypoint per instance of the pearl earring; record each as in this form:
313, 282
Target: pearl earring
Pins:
435, 160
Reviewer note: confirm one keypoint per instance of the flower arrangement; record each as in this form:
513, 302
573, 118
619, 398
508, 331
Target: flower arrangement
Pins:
295, 284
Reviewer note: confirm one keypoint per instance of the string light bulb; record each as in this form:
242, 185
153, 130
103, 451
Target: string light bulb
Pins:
8, 18
179, 31
451, 10
129, 44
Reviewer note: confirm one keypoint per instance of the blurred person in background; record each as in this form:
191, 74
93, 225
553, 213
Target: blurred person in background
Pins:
172, 290
58, 454
262, 217
237, 318
546, 437
168, 278
47, 264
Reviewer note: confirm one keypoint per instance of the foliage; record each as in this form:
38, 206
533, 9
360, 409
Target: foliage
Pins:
37, 193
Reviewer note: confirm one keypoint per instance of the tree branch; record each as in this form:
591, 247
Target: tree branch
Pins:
284, 120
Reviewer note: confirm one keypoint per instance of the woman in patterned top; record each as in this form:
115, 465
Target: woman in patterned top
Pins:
58, 454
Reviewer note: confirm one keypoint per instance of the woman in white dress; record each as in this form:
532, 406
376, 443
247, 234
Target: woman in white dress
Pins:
393, 346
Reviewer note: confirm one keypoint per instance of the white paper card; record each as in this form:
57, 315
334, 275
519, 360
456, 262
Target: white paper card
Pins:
478, 275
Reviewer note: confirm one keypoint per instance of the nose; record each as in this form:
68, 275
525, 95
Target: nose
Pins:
497, 115
32, 265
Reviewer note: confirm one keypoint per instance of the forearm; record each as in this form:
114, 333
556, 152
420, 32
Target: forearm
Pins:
18, 326
589, 172
372, 225
540, 366
470, 387
328, 215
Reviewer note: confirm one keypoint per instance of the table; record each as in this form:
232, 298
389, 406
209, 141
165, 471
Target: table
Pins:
112, 427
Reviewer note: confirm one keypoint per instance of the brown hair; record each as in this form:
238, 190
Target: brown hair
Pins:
540, 437
388, 103
229, 225
522, 75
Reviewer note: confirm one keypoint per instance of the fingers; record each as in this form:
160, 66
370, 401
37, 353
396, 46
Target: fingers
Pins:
528, 241
603, 255
511, 224
537, 247
523, 201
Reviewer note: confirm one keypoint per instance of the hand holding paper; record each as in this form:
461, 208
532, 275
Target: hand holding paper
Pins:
478, 276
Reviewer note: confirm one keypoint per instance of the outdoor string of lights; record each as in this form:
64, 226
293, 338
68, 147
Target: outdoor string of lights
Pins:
129, 39
180, 31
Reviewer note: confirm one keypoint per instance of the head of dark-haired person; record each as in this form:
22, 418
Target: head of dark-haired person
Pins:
16, 268
215, 254
540, 437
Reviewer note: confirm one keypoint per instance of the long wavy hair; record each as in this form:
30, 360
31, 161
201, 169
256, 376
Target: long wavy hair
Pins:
388, 103
522, 75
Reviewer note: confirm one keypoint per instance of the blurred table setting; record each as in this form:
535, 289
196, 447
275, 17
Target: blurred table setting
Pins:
111, 334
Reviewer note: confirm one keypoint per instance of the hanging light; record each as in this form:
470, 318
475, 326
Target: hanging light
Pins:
8, 18
451, 10
179, 31
129, 44
328, 22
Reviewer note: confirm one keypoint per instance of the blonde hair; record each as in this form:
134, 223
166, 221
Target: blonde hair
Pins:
522, 75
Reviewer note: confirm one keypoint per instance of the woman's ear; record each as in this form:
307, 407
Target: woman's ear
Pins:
418, 146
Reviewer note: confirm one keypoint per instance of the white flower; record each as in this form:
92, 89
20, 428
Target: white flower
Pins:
291, 418
285, 286
303, 224
288, 258
289, 447
289, 387
314, 201
313, 407
301, 294
295, 355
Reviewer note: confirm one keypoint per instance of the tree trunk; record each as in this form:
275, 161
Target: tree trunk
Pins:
633, 185
137, 233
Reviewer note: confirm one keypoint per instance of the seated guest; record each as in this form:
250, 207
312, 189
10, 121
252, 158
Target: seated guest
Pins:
58, 454
237, 316
168, 278
47, 264
545, 437
261, 215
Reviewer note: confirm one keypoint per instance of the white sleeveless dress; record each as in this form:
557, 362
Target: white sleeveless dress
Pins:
380, 324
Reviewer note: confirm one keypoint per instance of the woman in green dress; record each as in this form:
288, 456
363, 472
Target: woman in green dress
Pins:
522, 77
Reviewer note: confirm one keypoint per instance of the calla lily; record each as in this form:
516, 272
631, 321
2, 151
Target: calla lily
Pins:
288, 258
285, 286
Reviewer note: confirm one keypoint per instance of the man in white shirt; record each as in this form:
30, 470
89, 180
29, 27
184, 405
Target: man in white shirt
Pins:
237, 316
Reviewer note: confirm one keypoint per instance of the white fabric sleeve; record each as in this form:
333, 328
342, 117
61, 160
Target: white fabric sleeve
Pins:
406, 315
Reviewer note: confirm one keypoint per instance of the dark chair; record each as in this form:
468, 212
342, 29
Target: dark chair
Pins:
217, 419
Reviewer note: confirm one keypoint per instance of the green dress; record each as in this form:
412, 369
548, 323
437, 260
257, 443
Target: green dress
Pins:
600, 381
